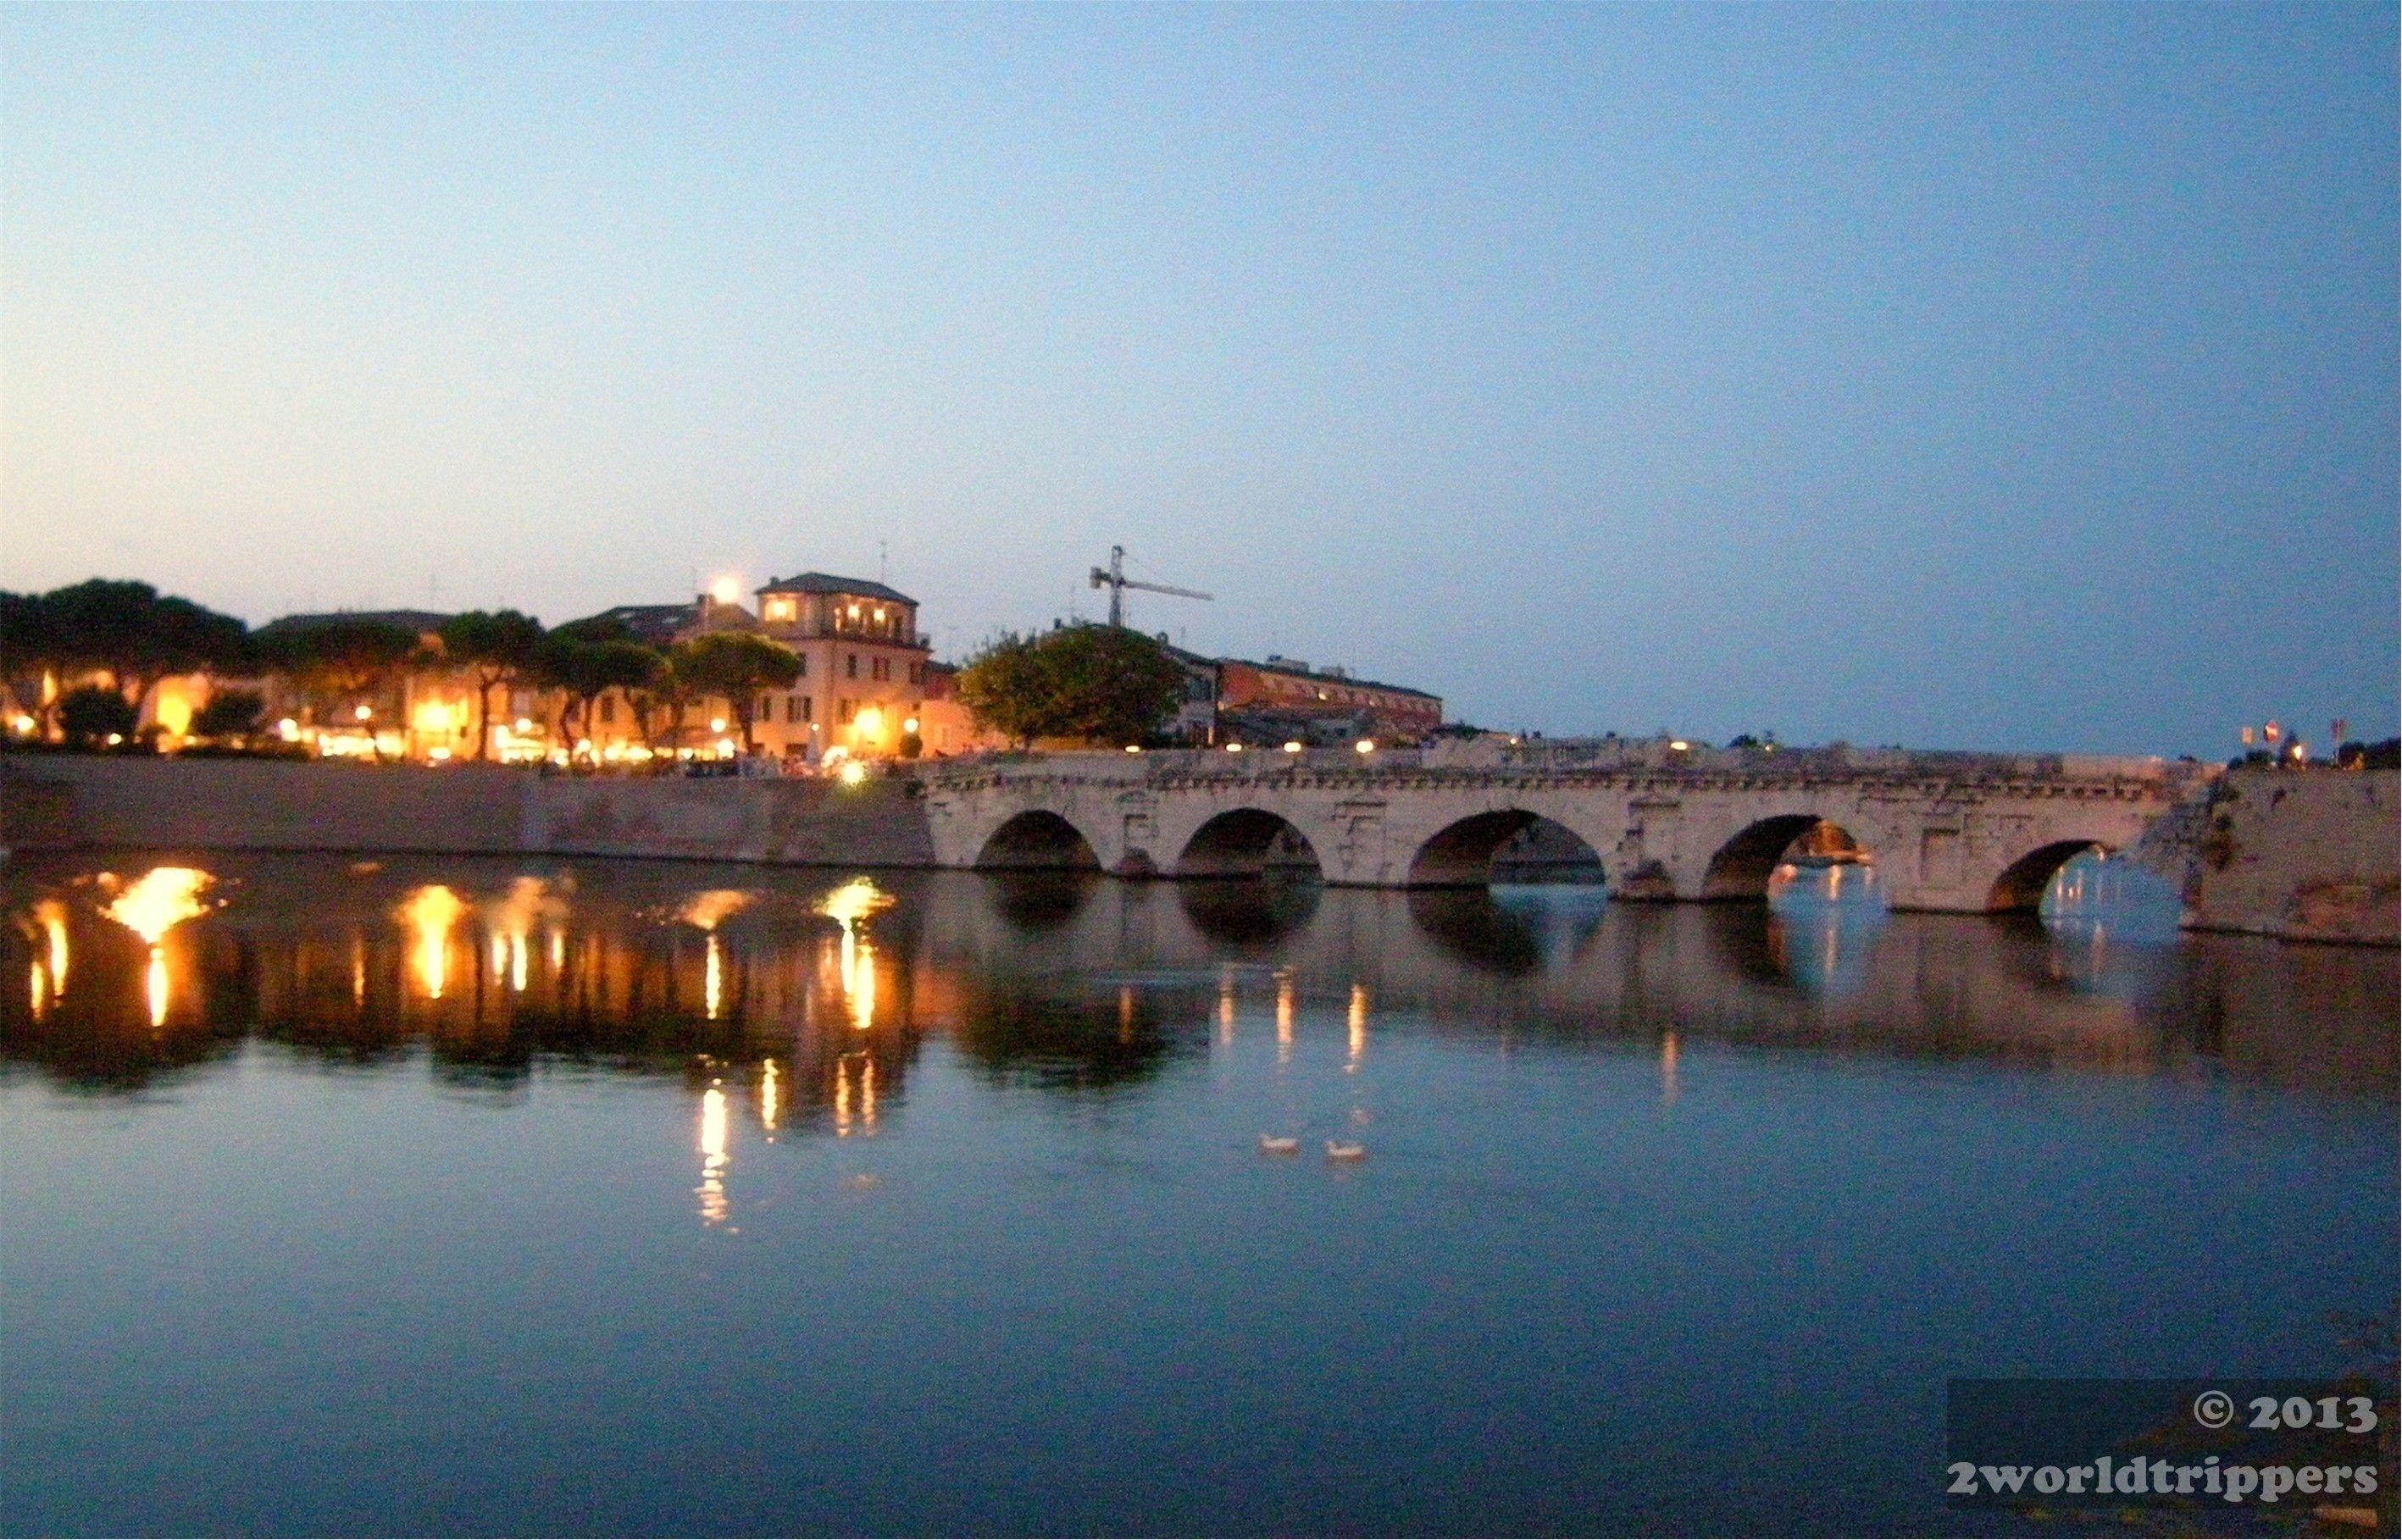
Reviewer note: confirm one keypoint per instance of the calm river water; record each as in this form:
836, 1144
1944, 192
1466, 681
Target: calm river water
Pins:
442, 1195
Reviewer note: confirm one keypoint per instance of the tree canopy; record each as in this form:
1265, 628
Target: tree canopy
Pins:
497, 646
737, 665
585, 670
340, 657
127, 628
1100, 683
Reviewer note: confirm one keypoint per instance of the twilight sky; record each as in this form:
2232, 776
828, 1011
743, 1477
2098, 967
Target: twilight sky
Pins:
1987, 377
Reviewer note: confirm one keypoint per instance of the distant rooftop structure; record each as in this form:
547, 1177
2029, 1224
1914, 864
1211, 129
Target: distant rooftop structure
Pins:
1295, 668
423, 621
826, 583
653, 624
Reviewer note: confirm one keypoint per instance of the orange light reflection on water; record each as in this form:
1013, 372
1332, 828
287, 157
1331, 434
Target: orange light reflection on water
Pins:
430, 913
158, 983
52, 917
159, 901
713, 1156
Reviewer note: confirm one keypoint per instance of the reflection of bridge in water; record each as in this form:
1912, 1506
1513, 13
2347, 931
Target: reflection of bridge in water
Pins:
1078, 984
1948, 831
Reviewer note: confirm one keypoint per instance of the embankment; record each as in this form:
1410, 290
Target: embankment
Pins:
64, 802
2306, 853
2303, 854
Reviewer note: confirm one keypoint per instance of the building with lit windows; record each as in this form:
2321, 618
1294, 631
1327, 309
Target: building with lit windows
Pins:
865, 678
1287, 696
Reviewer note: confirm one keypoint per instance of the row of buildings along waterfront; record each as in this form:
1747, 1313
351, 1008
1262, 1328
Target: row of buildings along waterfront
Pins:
868, 687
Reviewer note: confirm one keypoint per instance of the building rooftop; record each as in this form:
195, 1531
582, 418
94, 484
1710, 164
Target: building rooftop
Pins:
826, 583
419, 621
1293, 669
654, 624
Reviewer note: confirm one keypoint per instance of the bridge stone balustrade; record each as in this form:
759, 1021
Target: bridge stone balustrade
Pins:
1952, 833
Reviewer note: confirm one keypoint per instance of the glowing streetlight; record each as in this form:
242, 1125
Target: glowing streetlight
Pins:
1365, 746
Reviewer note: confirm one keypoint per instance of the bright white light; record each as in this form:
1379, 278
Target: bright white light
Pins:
1234, 748
726, 590
717, 725
1679, 745
1293, 748
1134, 749
1366, 746
851, 773
363, 712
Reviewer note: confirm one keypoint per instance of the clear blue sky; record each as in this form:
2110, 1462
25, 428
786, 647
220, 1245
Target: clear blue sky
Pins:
1981, 376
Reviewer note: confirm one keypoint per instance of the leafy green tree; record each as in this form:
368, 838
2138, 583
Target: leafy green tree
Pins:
586, 670
230, 713
498, 647
139, 637
1101, 683
738, 666
1006, 689
91, 714
341, 661
666, 692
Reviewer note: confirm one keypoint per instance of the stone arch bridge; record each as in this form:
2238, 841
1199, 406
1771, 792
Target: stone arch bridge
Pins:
1946, 831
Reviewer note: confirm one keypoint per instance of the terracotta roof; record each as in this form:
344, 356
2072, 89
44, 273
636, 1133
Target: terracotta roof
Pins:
1291, 671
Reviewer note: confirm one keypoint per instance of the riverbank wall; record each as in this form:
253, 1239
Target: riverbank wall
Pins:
2302, 854
69, 801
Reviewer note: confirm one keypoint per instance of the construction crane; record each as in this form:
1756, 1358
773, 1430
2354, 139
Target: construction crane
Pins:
1113, 578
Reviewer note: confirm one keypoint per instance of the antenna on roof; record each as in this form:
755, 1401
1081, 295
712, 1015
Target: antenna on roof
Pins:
883, 554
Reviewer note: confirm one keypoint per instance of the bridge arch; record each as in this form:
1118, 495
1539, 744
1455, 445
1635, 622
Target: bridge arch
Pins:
1742, 867
1249, 842
1462, 854
1037, 840
2021, 886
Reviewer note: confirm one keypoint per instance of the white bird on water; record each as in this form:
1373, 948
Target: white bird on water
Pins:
1271, 1144
1337, 1150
